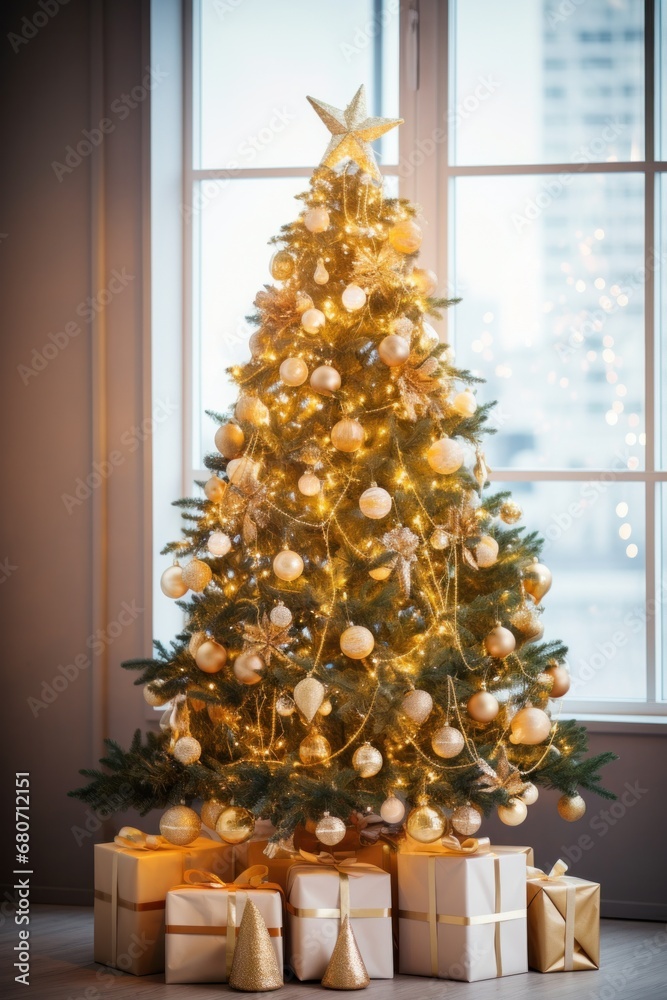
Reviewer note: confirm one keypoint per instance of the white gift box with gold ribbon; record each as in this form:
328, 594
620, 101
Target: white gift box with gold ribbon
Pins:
321, 891
202, 920
462, 912
132, 878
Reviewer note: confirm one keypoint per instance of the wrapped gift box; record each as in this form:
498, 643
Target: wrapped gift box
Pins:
130, 891
202, 922
563, 921
462, 916
319, 898
380, 855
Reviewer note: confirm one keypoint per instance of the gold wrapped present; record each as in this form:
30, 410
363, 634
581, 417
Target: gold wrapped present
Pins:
462, 911
132, 878
322, 891
203, 917
563, 921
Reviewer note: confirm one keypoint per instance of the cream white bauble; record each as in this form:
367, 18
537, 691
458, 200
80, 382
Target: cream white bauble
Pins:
354, 298
394, 350
447, 742
466, 820
330, 830
464, 403
214, 489
316, 220
326, 708
313, 320
229, 440
294, 371
197, 575
367, 761
417, 705
218, 543
187, 750
424, 280
309, 485
288, 565
308, 696
347, 435
281, 616
210, 656
375, 503
357, 642
530, 726
445, 456
325, 379
513, 813
285, 706
482, 706
172, 583
321, 275
530, 794
302, 302
248, 668
500, 642
242, 470
486, 551
392, 810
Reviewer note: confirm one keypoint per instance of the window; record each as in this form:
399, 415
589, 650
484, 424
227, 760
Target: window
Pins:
543, 207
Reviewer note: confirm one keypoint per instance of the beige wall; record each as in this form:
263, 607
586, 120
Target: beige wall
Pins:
74, 570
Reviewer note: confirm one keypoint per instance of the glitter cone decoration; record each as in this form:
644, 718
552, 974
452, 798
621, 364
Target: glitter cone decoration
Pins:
363, 610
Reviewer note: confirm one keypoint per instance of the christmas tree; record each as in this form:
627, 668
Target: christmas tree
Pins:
363, 628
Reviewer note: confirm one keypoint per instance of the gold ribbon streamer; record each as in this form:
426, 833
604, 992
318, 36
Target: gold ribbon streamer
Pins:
458, 921
214, 930
334, 912
557, 874
128, 904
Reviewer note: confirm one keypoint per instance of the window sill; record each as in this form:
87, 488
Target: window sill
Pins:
642, 725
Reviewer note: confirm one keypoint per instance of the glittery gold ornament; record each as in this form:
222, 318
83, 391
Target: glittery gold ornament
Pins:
424, 280
510, 512
153, 696
392, 810
393, 350
313, 320
214, 489
229, 440
346, 969
445, 456
316, 220
288, 565
560, 678
325, 708
417, 705
352, 131
513, 813
321, 275
357, 642
447, 742
308, 696
402, 326
482, 706
248, 668
405, 236
353, 298
281, 265
404, 543
187, 750
293, 371
180, 825
172, 583
309, 485
425, 823
325, 379
255, 343
367, 760
210, 812
486, 551
251, 410
571, 807
285, 706
499, 642
440, 539
466, 820
530, 726
254, 966
235, 825
281, 616
210, 656
302, 302
530, 794
314, 749
330, 830
537, 580
526, 619
375, 503
197, 575
464, 403
347, 435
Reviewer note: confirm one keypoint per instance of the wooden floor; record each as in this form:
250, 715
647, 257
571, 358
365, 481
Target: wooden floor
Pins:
634, 967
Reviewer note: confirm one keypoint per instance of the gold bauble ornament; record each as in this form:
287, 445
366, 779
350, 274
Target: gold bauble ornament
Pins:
375, 503
425, 823
526, 619
513, 813
248, 668
447, 741
309, 485
482, 706
187, 750
172, 583
346, 969
530, 794
313, 320
210, 812
445, 456
464, 403
229, 440
325, 708
197, 575
316, 220
392, 810
254, 966
499, 642
537, 580
367, 760
251, 410
405, 236
353, 298
325, 379
510, 512
466, 820
281, 616
320, 275
293, 371
394, 350
402, 326
347, 435
210, 656
242, 470
330, 830
357, 642
180, 825
308, 696
281, 265
530, 726
417, 705
218, 544
235, 825
255, 343
424, 280
285, 706
560, 680
154, 697
314, 749
302, 302
381, 572
288, 565
571, 807
486, 551
440, 539
214, 489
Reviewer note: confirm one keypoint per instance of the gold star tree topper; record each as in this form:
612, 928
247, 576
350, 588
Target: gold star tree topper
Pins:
352, 132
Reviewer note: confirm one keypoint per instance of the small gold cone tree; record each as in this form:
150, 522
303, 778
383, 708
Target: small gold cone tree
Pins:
363, 625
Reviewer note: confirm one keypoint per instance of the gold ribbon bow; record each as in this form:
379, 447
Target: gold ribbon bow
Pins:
345, 867
348, 866
137, 840
557, 874
471, 845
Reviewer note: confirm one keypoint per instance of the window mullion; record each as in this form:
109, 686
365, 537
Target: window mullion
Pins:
649, 348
